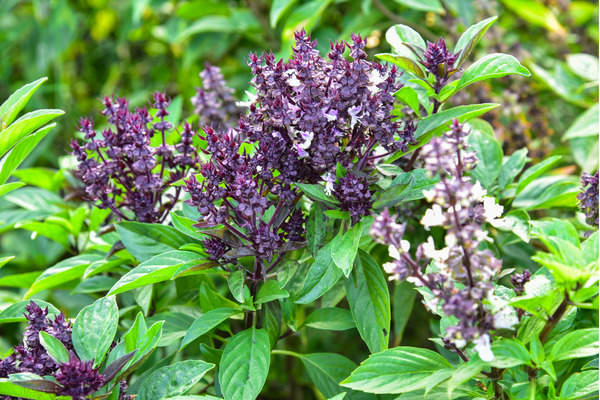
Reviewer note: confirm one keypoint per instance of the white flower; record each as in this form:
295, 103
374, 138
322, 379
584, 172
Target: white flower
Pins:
395, 252
430, 251
303, 154
251, 99
293, 81
331, 115
491, 210
375, 78
433, 217
460, 343
429, 194
506, 318
353, 111
478, 192
484, 348
329, 178
307, 137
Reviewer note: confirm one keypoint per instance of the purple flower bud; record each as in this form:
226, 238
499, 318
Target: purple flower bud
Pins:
354, 196
78, 378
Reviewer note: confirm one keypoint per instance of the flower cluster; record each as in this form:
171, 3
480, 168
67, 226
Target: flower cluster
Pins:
214, 102
308, 115
438, 61
121, 168
588, 198
459, 276
78, 378
354, 196
30, 355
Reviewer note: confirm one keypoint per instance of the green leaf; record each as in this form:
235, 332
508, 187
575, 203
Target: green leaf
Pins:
397, 370
24, 126
245, 364
395, 194
405, 63
586, 124
576, 344
15, 103
271, 321
145, 241
509, 353
64, 271
207, 322
512, 167
56, 350
236, 284
491, 66
278, 9
465, 372
270, 291
531, 173
436, 124
186, 226
469, 39
95, 284
423, 5
536, 14
399, 34
9, 187
326, 370
344, 248
331, 319
536, 349
157, 269
286, 271
95, 328
580, 385
315, 228
369, 301
17, 154
16, 391
321, 276
306, 16
316, 192
15, 312
409, 96
402, 305
173, 380
489, 157
583, 65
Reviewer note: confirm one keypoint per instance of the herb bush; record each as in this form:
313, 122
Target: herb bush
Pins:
281, 246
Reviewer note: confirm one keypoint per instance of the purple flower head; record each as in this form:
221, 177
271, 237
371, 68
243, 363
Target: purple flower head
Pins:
214, 102
588, 198
123, 171
38, 322
437, 59
519, 281
78, 378
264, 241
294, 227
354, 196
216, 249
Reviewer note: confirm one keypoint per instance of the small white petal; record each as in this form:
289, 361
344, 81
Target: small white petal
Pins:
394, 253
491, 210
405, 245
433, 216
293, 81
478, 192
484, 348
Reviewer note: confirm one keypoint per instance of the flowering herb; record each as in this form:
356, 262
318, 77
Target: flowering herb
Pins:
461, 275
121, 168
214, 102
588, 199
